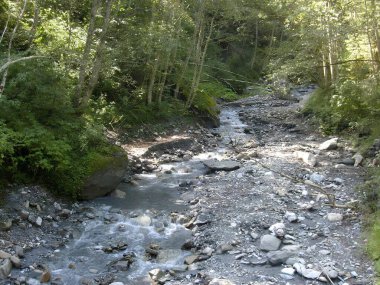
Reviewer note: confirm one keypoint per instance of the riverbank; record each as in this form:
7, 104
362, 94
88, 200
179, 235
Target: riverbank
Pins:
267, 221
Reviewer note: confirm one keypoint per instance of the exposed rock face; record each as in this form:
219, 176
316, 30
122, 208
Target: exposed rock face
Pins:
223, 165
105, 180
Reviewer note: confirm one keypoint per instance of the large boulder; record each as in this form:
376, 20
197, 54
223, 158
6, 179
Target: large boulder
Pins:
170, 147
105, 180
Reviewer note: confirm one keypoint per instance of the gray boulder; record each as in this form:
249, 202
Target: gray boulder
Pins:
329, 144
5, 268
105, 180
269, 243
223, 165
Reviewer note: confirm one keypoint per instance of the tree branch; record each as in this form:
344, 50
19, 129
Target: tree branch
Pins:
7, 64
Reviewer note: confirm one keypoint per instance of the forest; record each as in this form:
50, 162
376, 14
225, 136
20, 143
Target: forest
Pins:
71, 70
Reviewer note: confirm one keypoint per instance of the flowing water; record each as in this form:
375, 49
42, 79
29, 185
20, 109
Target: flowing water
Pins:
140, 219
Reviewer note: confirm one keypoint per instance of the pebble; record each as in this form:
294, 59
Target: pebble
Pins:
39, 221
288, 270
334, 217
45, 276
291, 217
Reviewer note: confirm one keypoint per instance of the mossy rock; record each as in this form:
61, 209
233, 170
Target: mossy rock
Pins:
108, 172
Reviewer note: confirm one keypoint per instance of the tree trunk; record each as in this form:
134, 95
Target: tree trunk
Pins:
10, 44
86, 53
199, 73
99, 55
6, 24
256, 44
152, 80
36, 18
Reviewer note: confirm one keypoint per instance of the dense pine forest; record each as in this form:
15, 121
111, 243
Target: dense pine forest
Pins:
72, 70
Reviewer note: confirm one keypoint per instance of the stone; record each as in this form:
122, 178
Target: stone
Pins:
324, 252
45, 276
306, 272
348, 161
202, 219
307, 158
118, 194
24, 215
105, 180
117, 283
19, 251
223, 165
156, 274
317, 178
57, 207
5, 224
288, 271
330, 144
278, 229
39, 221
5, 268
4, 255
16, 262
279, 256
143, 220
122, 265
358, 159
191, 259
334, 217
269, 243
226, 247
254, 235
217, 281
291, 217
167, 255
331, 273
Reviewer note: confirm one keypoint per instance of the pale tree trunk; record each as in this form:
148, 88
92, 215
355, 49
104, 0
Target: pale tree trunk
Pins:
99, 55
163, 80
325, 70
191, 49
10, 44
86, 53
253, 60
36, 19
197, 61
203, 57
152, 80
377, 36
6, 24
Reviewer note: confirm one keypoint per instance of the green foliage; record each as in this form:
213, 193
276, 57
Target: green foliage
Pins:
218, 91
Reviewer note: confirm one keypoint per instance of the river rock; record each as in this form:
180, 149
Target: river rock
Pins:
105, 180
217, 281
16, 262
348, 161
291, 217
334, 217
45, 276
278, 229
317, 178
118, 194
156, 274
167, 255
222, 165
5, 224
5, 268
39, 221
19, 251
288, 271
358, 159
191, 259
143, 220
269, 243
307, 158
279, 256
305, 272
117, 283
4, 255
330, 144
